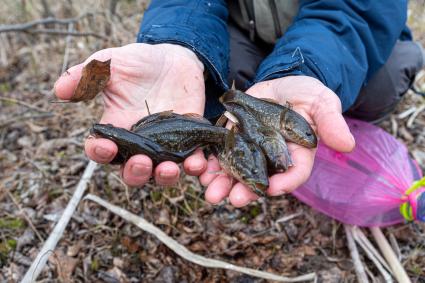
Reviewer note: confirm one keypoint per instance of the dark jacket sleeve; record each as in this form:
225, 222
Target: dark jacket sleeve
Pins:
200, 25
341, 43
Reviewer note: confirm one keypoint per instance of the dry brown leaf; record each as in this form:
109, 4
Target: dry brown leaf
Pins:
95, 76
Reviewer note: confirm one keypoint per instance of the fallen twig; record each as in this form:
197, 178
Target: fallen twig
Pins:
22, 103
412, 118
398, 270
289, 217
63, 32
372, 254
395, 245
29, 27
66, 53
185, 253
45, 21
40, 261
406, 113
358, 266
25, 216
360, 236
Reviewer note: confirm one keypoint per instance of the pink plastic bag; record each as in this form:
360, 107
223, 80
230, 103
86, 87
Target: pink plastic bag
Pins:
368, 186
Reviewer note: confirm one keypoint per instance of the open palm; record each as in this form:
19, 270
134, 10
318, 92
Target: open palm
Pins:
321, 108
167, 77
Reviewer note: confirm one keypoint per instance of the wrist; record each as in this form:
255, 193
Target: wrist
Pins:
184, 55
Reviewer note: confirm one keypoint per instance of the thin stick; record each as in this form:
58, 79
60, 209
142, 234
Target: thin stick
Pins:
62, 32
358, 266
12, 100
412, 118
147, 107
371, 256
398, 270
40, 261
67, 43
289, 217
362, 237
184, 252
25, 216
45, 21
395, 245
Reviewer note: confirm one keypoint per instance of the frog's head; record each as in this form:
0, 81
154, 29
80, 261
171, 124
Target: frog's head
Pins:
107, 131
296, 129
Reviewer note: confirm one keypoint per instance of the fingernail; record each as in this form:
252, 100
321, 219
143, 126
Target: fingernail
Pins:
278, 193
197, 167
103, 152
140, 170
167, 175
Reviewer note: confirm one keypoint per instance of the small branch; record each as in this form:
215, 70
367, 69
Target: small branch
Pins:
25, 216
185, 253
45, 21
371, 253
360, 236
289, 217
66, 53
29, 27
412, 118
395, 245
358, 266
40, 261
62, 32
29, 106
398, 270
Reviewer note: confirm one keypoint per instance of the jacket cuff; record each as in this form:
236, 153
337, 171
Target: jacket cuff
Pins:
281, 63
210, 52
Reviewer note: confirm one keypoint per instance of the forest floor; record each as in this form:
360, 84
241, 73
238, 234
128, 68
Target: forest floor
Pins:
42, 160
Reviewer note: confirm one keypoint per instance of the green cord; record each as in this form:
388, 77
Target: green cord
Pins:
405, 208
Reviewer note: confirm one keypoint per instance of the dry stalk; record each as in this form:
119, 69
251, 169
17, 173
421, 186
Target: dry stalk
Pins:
40, 261
25, 216
398, 270
185, 253
372, 254
412, 118
358, 265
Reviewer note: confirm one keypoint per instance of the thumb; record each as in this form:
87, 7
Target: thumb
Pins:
67, 83
331, 126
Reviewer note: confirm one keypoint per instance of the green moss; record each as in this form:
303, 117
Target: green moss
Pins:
11, 223
12, 243
4, 88
155, 196
255, 211
54, 193
94, 265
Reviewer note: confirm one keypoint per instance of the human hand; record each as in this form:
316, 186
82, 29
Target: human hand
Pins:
168, 77
319, 106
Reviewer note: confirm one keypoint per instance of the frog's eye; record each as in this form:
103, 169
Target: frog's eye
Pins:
255, 170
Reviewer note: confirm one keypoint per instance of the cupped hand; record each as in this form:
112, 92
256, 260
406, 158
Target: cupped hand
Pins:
319, 106
167, 77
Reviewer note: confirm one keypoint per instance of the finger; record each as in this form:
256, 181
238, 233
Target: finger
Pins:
241, 195
296, 175
218, 189
65, 86
210, 173
137, 170
195, 164
100, 150
331, 126
167, 173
